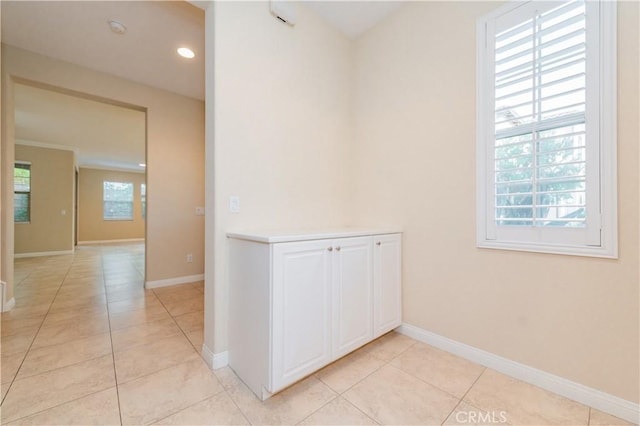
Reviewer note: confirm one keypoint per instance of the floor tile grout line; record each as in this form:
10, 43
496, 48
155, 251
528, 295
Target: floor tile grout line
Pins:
226, 391
74, 339
162, 368
61, 404
432, 384
368, 416
138, 325
157, 371
113, 355
451, 412
465, 394
187, 407
60, 368
37, 332
178, 325
336, 396
388, 363
436, 386
27, 276
385, 363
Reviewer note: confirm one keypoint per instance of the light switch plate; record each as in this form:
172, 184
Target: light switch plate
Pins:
234, 204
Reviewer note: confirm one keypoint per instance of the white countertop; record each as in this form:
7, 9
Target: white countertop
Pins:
284, 236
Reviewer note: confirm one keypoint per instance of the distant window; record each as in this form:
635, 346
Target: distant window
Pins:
118, 201
143, 199
22, 192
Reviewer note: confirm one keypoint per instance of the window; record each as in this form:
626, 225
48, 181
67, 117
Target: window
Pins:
143, 199
546, 128
22, 192
118, 201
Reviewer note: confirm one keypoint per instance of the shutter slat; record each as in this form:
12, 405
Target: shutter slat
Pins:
528, 38
542, 86
529, 74
578, 48
566, 9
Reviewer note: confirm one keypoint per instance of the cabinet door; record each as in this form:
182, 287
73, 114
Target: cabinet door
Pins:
387, 283
301, 310
352, 294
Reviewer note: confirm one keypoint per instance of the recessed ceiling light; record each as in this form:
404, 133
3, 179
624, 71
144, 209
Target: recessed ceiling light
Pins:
117, 27
185, 52
142, 165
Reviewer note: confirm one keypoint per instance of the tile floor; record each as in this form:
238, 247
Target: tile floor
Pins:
87, 344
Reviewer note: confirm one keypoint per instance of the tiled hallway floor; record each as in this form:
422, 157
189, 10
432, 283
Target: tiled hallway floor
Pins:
87, 344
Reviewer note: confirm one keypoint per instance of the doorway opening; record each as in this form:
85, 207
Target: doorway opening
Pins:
86, 174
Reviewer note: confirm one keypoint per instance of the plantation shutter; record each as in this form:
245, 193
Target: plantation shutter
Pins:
543, 122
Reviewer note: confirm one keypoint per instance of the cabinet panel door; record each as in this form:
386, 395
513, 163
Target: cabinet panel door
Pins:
301, 310
387, 283
352, 294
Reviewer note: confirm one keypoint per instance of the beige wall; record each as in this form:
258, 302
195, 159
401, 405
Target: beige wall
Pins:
414, 166
52, 186
91, 223
175, 152
282, 131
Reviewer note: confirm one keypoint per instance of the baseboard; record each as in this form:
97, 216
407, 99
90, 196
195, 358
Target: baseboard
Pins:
174, 281
8, 305
128, 240
608, 403
5, 305
42, 253
215, 361
220, 360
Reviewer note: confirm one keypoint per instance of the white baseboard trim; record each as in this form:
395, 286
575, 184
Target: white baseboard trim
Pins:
5, 305
608, 403
207, 355
129, 240
174, 281
42, 253
8, 305
215, 361
220, 360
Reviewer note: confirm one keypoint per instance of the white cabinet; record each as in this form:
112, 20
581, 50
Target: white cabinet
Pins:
387, 273
298, 302
352, 294
301, 310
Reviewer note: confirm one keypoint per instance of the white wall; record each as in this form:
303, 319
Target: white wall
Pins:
414, 160
281, 133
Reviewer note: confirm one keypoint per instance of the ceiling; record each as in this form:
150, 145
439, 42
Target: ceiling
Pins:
353, 18
103, 135
78, 32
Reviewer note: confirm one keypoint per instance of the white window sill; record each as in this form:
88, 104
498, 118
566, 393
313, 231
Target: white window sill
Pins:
585, 251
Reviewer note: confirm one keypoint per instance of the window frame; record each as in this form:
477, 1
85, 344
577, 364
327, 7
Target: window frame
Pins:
28, 193
606, 199
118, 219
